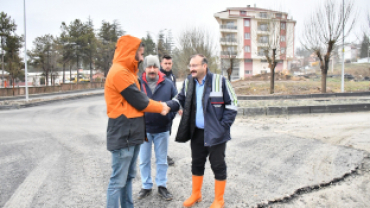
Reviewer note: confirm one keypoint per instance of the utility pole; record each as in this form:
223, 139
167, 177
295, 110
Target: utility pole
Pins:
368, 51
3, 39
342, 85
25, 49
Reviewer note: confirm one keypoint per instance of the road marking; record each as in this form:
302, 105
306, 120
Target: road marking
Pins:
23, 196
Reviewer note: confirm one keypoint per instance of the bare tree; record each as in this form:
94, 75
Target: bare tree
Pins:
275, 41
324, 29
193, 41
230, 50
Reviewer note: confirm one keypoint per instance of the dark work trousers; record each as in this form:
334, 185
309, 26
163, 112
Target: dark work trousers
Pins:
199, 154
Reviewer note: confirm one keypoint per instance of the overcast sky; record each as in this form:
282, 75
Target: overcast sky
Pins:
139, 16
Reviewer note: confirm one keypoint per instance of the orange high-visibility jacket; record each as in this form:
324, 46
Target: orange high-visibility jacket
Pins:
126, 104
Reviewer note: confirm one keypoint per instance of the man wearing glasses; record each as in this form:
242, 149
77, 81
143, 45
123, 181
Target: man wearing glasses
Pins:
209, 109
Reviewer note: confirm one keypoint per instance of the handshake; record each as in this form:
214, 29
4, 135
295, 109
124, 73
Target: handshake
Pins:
166, 109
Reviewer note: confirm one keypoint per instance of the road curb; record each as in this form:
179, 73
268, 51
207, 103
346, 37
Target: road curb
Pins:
243, 111
45, 102
45, 94
307, 96
294, 110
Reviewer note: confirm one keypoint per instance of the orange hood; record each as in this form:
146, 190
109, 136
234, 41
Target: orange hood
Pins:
125, 52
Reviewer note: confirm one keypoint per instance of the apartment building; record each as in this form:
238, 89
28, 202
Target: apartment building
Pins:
247, 33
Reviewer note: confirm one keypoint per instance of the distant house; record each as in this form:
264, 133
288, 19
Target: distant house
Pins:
351, 52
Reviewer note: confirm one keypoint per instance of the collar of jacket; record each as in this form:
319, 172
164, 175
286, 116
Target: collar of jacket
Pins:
161, 77
208, 76
125, 52
167, 73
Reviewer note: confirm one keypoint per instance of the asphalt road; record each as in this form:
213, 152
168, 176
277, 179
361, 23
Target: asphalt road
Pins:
55, 156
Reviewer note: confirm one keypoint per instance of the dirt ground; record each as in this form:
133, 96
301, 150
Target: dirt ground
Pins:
350, 130
288, 85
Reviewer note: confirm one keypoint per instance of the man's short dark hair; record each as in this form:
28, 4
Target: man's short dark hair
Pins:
204, 60
167, 57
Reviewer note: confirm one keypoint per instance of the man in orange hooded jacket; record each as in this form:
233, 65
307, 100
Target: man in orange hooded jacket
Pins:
126, 105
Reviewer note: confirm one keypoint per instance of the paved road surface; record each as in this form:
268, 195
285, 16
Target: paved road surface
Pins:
55, 156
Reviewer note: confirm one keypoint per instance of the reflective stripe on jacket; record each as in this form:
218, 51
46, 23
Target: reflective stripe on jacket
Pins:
219, 108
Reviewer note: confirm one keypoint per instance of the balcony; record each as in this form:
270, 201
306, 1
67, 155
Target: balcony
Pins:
228, 28
229, 53
262, 42
228, 41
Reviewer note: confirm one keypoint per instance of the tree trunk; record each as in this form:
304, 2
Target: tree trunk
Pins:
272, 65
324, 71
90, 70
323, 82
272, 81
47, 79
64, 73
229, 71
13, 84
70, 72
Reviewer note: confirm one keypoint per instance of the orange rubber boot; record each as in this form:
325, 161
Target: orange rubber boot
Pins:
196, 194
219, 194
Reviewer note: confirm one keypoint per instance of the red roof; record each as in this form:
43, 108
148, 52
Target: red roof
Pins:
252, 9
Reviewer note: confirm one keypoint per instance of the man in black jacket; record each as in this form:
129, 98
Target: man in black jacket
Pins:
166, 68
210, 108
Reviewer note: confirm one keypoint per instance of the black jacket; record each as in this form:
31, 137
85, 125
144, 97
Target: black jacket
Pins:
169, 75
219, 109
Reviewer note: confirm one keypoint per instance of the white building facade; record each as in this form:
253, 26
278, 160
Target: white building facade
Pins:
245, 35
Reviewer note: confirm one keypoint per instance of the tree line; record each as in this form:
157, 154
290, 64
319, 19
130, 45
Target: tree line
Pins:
79, 45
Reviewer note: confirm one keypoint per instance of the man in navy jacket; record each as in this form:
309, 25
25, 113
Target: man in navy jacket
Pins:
209, 109
166, 69
158, 88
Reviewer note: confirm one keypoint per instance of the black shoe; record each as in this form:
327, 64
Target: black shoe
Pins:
170, 161
164, 193
144, 193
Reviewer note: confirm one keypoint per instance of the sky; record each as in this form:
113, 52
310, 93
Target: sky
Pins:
140, 16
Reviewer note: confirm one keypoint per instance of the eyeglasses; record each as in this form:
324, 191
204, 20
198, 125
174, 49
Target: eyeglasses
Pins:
192, 66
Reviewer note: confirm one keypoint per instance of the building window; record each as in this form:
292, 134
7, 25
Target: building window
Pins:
248, 60
261, 52
283, 38
247, 36
246, 23
282, 50
263, 27
243, 13
278, 15
263, 61
247, 72
230, 23
263, 39
231, 48
230, 35
263, 14
247, 49
283, 25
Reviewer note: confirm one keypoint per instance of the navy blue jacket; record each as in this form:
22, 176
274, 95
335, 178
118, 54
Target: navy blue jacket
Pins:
164, 91
219, 109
